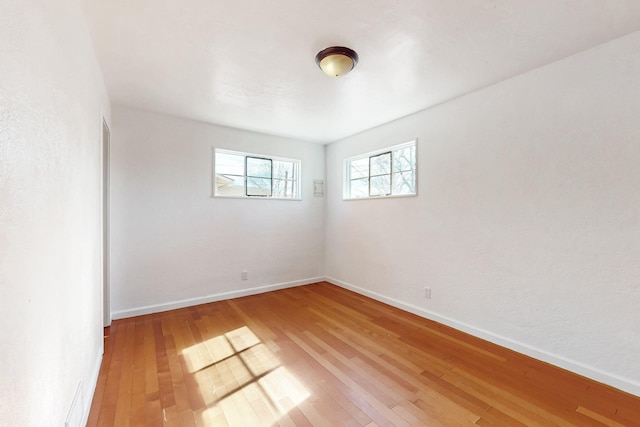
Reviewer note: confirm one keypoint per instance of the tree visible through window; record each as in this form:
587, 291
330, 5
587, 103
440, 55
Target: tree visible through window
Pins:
390, 172
246, 175
259, 176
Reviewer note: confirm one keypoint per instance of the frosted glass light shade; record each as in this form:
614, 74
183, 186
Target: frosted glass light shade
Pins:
336, 61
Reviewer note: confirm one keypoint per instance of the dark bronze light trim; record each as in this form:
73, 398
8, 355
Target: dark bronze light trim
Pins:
337, 50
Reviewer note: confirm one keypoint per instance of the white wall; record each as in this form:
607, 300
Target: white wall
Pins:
527, 223
172, 244
52, 98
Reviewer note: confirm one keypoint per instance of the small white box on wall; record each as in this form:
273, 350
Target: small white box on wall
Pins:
318, 188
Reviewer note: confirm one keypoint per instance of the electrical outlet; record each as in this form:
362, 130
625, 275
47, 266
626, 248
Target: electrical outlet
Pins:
427, 292
244, 275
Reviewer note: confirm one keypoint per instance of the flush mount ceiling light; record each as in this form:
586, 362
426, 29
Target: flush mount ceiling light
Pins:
336, 61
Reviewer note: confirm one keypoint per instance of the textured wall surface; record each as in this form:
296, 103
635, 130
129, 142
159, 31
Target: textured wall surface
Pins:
52, 98
527, 222
171, 241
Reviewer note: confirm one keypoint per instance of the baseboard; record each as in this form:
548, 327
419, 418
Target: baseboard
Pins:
157, 308
562, 362
90, 390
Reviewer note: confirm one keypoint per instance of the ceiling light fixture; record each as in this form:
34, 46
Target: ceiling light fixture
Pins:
336, 61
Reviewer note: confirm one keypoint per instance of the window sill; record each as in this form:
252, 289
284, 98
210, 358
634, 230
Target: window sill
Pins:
289, 199
396, 196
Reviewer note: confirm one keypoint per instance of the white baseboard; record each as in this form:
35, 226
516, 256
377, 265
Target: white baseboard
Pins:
562, 362
90, 390
157, 308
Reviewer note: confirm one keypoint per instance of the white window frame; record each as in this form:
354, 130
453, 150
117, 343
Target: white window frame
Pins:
297, 180
346, 187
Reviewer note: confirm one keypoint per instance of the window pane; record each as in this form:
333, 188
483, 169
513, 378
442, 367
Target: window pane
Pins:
383, 173
359, 187
380, 185
284, 188
380, 164
404, 183
241, 175
229, 164
282, 169
229, 185
404, 159
359, 168
258, 167
258, 186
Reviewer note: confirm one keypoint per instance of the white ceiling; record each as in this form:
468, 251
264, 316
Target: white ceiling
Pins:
250, 63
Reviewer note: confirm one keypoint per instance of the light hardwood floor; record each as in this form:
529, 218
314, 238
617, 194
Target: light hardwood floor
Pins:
319, 355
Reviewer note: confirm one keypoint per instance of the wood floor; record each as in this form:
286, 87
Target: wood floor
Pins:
319, 355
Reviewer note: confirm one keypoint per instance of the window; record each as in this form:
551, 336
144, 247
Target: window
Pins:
248, 175
388, 172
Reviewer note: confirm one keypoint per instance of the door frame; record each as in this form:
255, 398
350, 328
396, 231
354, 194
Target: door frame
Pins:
105, 147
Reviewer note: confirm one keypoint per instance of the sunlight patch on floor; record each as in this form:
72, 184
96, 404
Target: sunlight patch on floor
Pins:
241, 381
